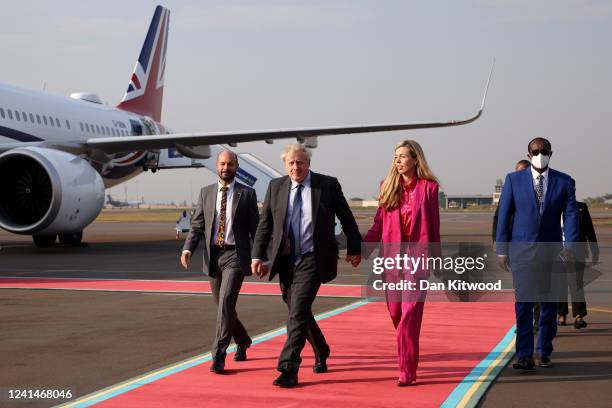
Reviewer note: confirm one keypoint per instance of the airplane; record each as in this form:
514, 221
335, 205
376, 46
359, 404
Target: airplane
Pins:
58, 154
122, 204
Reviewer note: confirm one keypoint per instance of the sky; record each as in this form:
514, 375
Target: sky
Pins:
234, 65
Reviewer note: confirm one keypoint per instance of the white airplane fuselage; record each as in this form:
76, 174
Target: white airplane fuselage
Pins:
37, 116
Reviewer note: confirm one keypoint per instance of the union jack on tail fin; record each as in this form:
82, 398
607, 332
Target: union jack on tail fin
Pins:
145, 91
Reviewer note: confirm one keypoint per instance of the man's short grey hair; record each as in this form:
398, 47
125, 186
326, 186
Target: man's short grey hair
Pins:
294, 148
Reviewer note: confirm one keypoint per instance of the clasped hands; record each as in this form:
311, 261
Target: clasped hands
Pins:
261, 268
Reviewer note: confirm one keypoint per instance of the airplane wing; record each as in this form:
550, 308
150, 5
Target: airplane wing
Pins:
111, 145
10, 146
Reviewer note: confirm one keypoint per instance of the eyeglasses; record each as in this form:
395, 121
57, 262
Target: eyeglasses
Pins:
544, 152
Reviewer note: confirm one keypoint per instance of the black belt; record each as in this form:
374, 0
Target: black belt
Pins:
224, 247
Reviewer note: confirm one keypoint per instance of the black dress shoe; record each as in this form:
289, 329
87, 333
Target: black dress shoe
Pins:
525, 364
561, 320
545, 362
218, 366
286, 380
579, 323
320, 365
240, 354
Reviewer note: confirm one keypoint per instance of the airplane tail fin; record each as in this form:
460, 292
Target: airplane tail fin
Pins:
146, 87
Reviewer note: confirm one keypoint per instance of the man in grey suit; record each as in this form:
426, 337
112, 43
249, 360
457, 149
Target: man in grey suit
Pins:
226, 217
295, 239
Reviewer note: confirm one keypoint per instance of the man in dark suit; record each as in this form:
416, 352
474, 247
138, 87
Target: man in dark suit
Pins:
587, 240
226, 217
295, 239
532, 204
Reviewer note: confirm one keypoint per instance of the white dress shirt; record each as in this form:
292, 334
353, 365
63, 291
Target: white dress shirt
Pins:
534, 175
307, 228
229, 233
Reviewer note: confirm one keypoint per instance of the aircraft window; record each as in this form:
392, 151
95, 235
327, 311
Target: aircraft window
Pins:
24, 116
87, 127
17, 115
93, 129
103, 130
113, 130
2, 113
57, 122
108, 131
45, 120
67, 124
31, 118
38, 118
51, 121
82, 127
10, 114
98, 129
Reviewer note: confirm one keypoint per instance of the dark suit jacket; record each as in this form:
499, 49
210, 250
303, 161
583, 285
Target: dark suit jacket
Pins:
327, 202
586, 234
245, 217
494, 229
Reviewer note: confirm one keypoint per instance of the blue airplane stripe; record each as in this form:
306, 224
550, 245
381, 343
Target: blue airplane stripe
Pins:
17, 135
246, 177
147, 47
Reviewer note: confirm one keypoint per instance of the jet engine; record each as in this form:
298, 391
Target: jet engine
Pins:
46, 192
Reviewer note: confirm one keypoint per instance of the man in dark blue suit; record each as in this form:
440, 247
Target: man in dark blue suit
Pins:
529, 240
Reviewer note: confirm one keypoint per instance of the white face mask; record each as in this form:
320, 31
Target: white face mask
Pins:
540, 161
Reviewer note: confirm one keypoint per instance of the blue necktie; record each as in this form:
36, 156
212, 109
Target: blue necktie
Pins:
295, 223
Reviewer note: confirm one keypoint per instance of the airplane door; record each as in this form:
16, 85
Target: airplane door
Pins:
136, 128
149, 127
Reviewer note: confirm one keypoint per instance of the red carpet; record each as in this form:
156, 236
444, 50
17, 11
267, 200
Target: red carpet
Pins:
362, 367
248, 288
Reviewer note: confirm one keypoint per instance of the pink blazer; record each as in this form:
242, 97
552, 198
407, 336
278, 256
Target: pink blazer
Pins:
425, 224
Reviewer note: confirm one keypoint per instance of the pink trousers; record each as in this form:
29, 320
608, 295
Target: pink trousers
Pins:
407, 318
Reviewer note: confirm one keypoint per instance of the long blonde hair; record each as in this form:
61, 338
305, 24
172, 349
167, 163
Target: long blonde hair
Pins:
390, 190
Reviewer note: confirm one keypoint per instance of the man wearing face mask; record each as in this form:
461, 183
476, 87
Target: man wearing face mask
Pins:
529, 234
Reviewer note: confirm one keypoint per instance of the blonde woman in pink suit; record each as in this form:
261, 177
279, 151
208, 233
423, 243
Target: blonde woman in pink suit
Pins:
408, 212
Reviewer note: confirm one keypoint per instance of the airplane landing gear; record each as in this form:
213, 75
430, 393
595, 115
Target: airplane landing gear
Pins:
75, 239
47, 241
44, 241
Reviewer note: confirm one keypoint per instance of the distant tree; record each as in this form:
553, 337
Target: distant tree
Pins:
356, 199
594, 200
